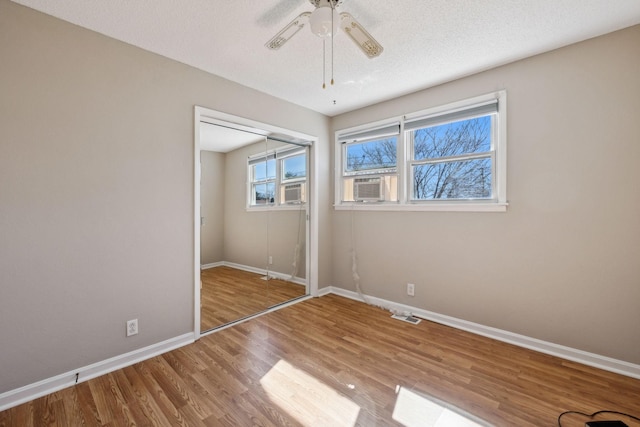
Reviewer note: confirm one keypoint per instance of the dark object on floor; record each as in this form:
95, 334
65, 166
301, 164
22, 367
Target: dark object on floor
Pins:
605, 424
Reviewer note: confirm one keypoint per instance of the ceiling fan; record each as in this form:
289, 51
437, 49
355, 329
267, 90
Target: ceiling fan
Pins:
324, 22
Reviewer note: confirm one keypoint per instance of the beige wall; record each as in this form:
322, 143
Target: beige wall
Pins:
96, 192
562, 265
251, 236
212, 195
245, 233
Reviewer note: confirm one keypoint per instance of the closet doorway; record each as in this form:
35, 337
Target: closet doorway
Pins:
254, 240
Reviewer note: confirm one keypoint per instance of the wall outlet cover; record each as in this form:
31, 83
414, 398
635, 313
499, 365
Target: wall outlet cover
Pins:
132, 327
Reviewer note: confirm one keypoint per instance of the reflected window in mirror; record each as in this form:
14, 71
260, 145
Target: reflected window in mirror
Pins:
262, 171
293, 189
277, 178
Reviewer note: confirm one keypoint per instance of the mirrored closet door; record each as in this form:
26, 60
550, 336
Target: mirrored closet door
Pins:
253, 226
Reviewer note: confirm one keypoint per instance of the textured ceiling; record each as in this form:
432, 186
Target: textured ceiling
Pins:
426, 42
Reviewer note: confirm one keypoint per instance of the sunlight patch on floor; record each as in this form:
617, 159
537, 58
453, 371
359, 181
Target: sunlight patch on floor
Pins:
414, 410
308, 400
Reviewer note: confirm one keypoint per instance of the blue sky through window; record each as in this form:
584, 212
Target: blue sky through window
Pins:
371, 155
294, 167
264, 170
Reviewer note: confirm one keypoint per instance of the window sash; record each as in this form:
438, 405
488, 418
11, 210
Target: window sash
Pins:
269, 195
266, 178
453, 159
283, 169
448, 159
375, 170
458, 117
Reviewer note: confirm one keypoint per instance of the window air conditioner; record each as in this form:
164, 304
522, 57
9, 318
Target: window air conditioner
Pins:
368, 190
293, 193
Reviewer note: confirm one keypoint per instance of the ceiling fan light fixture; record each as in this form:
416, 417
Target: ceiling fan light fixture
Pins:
322, 23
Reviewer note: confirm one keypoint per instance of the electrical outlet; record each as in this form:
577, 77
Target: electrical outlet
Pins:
270, 260
132, 327
411, 289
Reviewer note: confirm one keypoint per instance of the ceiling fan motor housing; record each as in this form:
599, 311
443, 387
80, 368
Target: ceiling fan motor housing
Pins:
324, 22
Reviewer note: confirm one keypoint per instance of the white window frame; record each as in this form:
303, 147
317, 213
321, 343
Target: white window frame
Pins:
498, 203
252, 182
385, 175
279, 155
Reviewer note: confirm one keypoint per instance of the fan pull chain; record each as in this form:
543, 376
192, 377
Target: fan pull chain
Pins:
324, 55
324, 49
332, 34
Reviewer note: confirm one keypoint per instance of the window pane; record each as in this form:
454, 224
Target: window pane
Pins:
453, 139
469, 179
294, 167
264, 170
373, 155
264, 193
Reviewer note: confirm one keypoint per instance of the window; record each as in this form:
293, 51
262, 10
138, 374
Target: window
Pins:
294, 176
452, 157
370, 166
263, 180
284, 169
447, 158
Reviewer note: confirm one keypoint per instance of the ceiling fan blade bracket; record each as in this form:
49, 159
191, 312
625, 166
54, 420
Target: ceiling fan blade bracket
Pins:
320, 3
290, 30
360, 36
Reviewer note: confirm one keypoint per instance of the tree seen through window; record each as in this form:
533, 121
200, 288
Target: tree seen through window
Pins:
448, 161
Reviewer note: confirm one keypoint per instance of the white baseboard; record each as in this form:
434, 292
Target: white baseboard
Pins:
330, 290
274, 274
30, 392
211, 265
568, 353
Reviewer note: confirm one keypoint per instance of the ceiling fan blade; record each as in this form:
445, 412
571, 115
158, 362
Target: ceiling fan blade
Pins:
289, 31
360, 36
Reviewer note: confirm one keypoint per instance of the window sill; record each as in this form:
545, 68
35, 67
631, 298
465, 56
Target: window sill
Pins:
425, 207
291, 207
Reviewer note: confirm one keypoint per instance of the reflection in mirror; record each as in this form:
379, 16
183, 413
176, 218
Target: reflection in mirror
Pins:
286, 222
253, 232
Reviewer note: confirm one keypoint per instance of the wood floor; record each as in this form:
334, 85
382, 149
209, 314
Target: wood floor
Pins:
229, 294
330, 361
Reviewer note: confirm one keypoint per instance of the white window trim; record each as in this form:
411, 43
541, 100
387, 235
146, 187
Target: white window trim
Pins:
500, 203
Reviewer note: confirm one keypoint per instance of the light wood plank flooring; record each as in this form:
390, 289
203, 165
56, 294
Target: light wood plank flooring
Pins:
331, 361
229, 294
